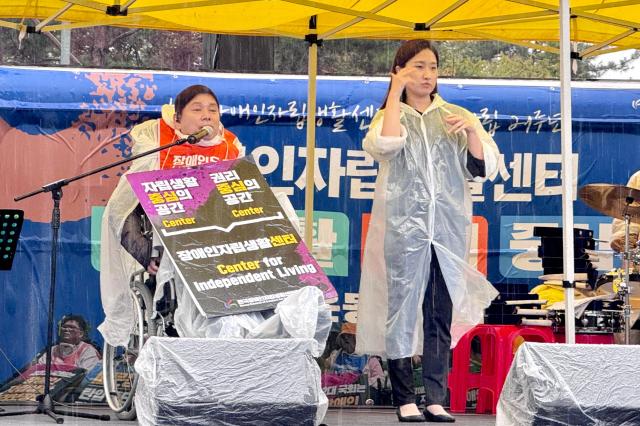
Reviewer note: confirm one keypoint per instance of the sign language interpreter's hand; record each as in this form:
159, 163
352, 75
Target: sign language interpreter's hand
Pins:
400, 78
458, 123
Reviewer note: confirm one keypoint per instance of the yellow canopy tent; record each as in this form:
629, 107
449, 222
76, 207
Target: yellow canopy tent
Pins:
606, 25
603, 23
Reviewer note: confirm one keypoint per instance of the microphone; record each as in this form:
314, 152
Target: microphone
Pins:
202, 133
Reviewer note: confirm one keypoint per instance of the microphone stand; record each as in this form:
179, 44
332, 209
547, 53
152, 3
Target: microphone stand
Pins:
45, 403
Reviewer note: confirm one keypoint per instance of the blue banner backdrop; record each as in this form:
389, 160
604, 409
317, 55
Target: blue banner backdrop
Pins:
57, 123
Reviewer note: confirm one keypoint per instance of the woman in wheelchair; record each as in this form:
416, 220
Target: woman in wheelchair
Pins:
126, 239
130, 263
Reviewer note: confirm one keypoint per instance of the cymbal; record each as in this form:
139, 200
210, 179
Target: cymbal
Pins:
612, 200
580, 276
634, 292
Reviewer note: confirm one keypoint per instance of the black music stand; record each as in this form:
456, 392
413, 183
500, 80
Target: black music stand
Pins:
10, 226
45, 403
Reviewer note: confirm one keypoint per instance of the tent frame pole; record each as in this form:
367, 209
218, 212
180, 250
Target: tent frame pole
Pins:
309, 190
567, 171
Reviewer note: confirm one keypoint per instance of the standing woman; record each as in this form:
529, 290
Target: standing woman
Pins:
418, 294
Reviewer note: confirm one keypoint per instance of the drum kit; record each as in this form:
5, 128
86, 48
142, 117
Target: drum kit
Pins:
608, 316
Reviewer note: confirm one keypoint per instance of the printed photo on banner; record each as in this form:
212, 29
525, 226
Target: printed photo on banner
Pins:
75, 364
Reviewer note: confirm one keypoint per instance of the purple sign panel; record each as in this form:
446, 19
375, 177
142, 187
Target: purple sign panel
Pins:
228, 237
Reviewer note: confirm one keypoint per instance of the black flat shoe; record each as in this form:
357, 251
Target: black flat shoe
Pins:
409, 419
438, 418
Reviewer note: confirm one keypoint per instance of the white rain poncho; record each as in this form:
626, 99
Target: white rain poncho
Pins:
421, 199
117, 265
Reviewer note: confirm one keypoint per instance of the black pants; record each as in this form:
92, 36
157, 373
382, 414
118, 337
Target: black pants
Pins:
436, 311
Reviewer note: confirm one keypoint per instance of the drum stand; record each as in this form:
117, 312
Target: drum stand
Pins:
623, 203
623, 288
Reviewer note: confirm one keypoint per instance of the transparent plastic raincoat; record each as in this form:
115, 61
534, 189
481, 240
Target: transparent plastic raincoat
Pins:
421, 200
117, 265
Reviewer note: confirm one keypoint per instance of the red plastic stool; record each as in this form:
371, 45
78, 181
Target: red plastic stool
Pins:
497, 349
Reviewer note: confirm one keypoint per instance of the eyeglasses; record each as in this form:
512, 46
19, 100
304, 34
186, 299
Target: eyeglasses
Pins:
70, 327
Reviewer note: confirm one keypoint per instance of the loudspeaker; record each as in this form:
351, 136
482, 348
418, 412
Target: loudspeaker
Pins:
560, 384
190, 381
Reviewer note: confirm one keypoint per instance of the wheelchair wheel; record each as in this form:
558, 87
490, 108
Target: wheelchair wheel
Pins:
119, 376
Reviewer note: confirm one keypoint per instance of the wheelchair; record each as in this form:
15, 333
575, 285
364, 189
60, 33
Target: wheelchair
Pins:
118, 373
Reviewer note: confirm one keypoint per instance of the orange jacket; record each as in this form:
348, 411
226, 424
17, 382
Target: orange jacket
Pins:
189, 155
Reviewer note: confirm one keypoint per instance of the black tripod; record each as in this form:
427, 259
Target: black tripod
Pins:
45, 403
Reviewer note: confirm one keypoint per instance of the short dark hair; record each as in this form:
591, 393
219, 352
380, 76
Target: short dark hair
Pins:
406, 51
82, 323
186, 95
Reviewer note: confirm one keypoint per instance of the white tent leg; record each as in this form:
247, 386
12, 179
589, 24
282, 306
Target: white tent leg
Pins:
567, 170
311, 146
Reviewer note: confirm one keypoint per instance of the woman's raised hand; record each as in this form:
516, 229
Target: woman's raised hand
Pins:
400, 78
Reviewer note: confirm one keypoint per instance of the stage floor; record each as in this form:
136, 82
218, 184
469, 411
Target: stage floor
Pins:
335, 417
